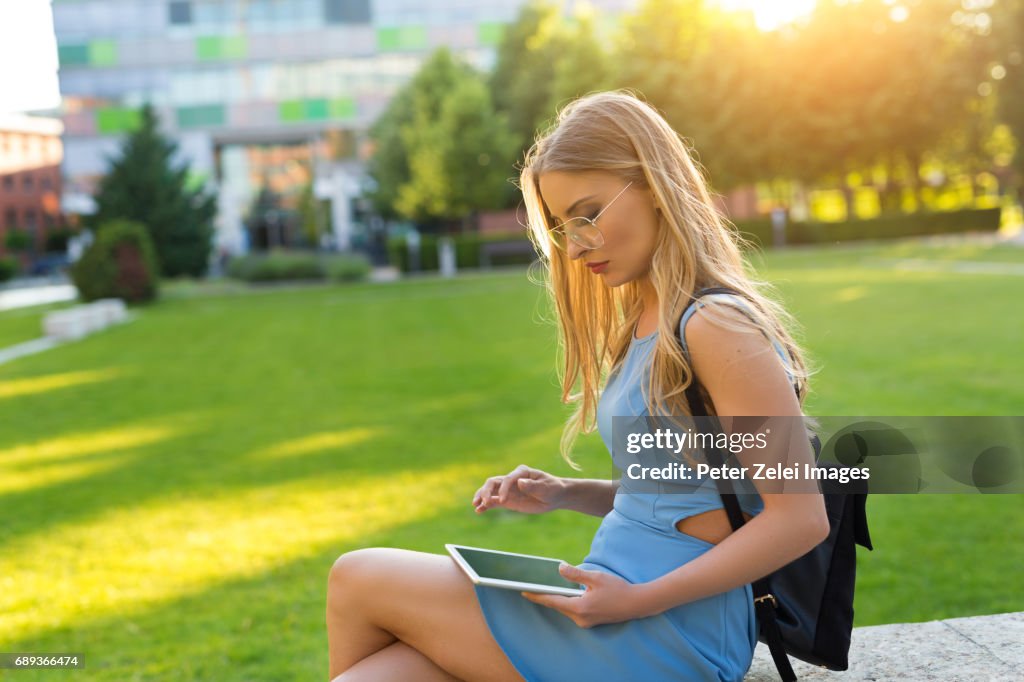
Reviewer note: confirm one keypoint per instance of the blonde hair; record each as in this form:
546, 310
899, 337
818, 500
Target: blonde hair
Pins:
619, 133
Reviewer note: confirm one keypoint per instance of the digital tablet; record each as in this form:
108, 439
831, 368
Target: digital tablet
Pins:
511, 571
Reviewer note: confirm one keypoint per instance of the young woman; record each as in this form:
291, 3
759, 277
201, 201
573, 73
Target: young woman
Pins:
629, 233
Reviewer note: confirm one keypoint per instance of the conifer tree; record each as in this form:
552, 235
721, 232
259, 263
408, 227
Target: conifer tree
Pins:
144, 184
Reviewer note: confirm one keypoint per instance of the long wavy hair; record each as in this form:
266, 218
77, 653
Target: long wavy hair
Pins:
618, 132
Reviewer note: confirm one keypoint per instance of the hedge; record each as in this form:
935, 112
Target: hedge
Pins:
467, 247
8, 268
467, 251
284, 265
884, 227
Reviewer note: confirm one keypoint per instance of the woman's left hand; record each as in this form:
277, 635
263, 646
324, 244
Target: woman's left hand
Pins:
608, 599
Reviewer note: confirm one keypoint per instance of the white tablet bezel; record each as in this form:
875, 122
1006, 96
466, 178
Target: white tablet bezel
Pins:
453, 550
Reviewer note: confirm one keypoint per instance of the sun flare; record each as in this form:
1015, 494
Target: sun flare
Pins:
770, 14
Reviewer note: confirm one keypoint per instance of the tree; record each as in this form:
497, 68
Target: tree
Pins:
446, 153
144, 185
525, 71
583, 64
1008, 25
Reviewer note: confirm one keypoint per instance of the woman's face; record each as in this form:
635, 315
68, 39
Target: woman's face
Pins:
629, 225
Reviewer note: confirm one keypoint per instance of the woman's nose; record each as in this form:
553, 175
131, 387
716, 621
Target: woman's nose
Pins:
576, 250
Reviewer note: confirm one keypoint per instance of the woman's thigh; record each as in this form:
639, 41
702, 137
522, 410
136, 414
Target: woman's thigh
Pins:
426, 601
397, 660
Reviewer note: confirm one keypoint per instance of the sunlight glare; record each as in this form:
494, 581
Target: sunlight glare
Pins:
770, 14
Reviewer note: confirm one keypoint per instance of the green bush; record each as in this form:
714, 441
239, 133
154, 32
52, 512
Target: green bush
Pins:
8, 268
18, 240
467, 251
280, 265
57, 240
347, 267
120, 263
759, 230
277, 265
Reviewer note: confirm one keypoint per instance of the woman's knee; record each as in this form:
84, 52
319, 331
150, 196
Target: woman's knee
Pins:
353, 572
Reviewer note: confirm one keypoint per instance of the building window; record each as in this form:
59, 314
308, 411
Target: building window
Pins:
347, 11
47, 182
27, 181
8, 182
30, 220
180, 12
11, 218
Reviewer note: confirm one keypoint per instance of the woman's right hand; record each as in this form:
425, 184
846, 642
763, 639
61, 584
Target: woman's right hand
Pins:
526, 490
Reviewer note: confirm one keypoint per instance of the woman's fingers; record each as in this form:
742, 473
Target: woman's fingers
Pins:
500, 490
510, 480
484, 495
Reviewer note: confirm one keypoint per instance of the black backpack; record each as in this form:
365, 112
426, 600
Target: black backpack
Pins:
805, 608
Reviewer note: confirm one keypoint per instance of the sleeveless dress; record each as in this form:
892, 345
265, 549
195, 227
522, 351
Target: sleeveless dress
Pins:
708, 639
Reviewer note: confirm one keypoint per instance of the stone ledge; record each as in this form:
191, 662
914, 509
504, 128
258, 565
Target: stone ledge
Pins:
971, 648
82, 320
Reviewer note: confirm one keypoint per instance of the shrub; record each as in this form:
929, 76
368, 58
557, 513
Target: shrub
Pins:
18, 240
278, 265
347, 267
8, 268
896, 226
467, 250
120, 263
57, 240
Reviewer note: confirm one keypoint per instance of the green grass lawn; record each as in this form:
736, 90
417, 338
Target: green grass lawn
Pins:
173, 491
25, 324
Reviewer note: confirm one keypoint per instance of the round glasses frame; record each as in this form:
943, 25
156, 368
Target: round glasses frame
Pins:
583, 231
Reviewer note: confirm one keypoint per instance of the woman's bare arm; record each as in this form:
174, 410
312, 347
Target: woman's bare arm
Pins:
744, 377
594, 496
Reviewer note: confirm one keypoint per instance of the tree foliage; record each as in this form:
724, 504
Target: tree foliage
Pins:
145, 185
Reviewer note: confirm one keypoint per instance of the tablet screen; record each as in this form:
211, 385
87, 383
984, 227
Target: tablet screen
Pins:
519, 568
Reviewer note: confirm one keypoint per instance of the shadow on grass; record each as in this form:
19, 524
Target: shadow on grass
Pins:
265, 628
217, 452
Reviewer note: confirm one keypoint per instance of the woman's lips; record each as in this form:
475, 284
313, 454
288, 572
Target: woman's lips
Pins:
597, 268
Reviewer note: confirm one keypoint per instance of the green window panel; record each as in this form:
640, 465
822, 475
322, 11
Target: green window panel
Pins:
73, 55
117, 120
103, 53
221, 47
291, 111
316, 109
235, 47
197, 117
402, 38
208, 47
296, 110
490, 32
343, 107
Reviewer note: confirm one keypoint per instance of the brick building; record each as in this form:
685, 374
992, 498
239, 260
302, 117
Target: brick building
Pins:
30, 178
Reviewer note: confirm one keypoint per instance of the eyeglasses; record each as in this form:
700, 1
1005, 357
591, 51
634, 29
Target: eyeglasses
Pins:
583, 231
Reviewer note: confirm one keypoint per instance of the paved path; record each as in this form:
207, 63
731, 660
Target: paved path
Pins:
36, 291
952, 650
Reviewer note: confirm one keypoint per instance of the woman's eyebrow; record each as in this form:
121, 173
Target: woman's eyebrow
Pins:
573, 207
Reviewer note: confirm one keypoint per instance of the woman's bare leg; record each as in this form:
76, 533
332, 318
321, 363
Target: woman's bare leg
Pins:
395, 661
377, 596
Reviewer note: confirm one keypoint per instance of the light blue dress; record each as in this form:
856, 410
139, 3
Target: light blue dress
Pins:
707, 639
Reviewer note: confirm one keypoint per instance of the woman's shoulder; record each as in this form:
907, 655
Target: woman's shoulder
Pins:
696, 328
733, 305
